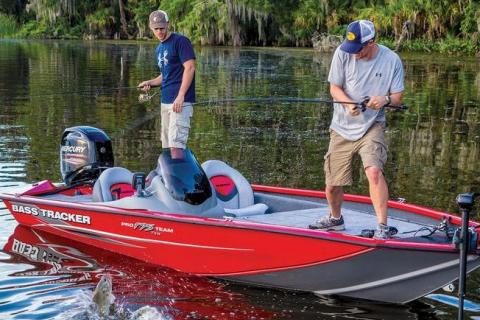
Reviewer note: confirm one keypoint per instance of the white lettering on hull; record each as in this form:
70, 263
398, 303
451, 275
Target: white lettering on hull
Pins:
149, 227
57, 215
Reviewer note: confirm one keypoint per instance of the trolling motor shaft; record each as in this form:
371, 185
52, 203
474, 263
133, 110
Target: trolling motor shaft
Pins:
465, 201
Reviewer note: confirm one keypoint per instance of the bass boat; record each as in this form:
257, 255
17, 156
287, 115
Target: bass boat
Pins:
208, 220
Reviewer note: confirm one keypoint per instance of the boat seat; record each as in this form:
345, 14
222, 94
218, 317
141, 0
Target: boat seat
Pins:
113, 184
233, 191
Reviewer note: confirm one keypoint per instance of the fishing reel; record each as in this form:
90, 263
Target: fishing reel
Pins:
145, 97
363, 105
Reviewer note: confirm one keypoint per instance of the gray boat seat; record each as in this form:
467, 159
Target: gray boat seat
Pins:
233, 191
113, 184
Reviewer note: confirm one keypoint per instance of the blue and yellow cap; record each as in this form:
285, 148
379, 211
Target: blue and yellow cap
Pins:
358, 34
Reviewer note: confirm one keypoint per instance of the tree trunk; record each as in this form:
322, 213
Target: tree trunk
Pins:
405, 33
123, 20
234, 24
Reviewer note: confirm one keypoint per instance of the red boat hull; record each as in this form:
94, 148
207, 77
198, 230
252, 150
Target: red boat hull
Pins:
256, 253
196, 245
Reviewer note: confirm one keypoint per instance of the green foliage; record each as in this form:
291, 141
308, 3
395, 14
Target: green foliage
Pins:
440, 25
310, 16
206, 23
34, 29
8, 26
470, 25
141, 10
450, 45
454, 45
178, 9
101, 22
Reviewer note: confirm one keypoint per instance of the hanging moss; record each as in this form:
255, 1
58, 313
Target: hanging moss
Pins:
255, 22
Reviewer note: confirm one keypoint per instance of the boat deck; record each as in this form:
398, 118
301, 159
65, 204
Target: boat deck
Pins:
357, 217
355, 221
300, 212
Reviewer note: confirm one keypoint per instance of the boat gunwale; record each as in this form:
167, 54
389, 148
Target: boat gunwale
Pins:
229, 222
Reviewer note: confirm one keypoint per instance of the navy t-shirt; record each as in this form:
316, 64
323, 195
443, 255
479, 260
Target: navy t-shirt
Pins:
171, 55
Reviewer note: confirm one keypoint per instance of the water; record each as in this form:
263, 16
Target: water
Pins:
48, 86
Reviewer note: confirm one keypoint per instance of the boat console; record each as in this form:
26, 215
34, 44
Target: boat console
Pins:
183, 177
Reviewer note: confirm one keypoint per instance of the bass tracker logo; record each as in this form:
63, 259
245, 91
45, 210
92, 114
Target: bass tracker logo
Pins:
50, 214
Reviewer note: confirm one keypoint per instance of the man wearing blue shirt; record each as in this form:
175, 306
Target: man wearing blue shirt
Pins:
176, 61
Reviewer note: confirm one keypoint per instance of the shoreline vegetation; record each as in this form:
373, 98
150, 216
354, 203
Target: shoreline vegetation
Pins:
447, 27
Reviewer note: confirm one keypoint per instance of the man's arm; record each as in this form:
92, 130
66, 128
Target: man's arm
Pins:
377, 102
339, 95
396, 98
187, 78
155, 82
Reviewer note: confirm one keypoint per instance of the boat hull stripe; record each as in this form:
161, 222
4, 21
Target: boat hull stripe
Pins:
109, 234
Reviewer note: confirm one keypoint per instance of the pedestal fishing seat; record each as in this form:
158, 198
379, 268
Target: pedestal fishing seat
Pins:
113, 184
233, 191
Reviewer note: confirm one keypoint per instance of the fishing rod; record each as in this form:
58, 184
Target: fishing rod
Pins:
362, 105
96, 92
145, 97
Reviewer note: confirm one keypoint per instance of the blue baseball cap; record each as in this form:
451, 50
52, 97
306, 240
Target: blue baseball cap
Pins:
358, 34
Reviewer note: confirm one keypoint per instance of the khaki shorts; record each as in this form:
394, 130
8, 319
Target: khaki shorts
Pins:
175, 126
338, 160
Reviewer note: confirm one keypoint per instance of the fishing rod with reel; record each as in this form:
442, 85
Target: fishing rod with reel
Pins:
145, 97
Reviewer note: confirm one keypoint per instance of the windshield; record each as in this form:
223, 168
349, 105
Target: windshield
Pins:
183, 176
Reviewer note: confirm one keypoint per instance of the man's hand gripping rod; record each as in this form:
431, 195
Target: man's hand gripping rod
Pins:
363, 105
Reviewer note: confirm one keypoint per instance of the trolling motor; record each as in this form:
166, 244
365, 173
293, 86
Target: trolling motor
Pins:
467, 242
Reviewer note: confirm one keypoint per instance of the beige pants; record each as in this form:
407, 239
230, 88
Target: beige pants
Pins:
175, 126
338, 160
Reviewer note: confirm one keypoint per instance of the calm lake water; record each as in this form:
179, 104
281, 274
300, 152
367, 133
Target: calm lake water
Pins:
46, 87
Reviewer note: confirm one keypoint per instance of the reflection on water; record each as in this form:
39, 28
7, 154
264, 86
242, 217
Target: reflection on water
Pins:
60, 272
48, 86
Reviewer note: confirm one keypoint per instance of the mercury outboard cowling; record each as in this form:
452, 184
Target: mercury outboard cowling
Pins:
84, 153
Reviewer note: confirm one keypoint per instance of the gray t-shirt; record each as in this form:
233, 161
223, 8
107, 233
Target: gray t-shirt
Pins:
379, 76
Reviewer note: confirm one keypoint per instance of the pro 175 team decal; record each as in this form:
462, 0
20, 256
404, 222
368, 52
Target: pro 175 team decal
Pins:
147, 227
59, 215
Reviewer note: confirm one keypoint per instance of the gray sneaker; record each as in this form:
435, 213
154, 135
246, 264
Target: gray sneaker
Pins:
328, 223
384, 232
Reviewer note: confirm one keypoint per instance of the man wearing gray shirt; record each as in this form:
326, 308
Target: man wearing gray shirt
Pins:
360, 68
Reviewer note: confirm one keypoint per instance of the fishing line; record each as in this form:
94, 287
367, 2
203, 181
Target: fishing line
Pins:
145, 97
95, 92
154, 114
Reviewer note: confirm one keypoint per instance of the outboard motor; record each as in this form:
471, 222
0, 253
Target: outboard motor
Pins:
183, 176
84, 153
